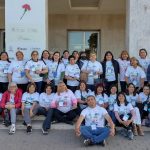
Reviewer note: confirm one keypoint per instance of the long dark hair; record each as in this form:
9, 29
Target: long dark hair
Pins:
43, 53
97, 86
6, 54
108, 52
127, 91
59, 56
86, 88
125, 100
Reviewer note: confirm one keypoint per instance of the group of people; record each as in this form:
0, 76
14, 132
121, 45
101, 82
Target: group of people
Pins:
63, 88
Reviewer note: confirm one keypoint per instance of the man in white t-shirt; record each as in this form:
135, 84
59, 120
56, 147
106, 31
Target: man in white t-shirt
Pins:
94, 130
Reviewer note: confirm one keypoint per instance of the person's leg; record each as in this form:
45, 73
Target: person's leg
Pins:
23, 87
100, 134
72, 88
41, 111
4, 87
59, 115
26, 116
87, 133
13, 116
48, 119
112, 115
70, 115
39, 86
123, 86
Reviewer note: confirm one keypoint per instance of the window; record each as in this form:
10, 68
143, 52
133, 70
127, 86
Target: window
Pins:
83, 40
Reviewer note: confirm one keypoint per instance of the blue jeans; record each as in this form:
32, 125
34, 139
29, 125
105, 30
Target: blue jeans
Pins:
96, 136
112, 115
39, 86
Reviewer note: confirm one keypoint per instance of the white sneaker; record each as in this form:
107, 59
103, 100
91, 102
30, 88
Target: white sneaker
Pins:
12, 129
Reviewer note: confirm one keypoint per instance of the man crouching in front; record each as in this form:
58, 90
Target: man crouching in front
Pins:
94, 130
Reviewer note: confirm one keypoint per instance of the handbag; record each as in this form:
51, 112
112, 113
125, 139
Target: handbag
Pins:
84, 75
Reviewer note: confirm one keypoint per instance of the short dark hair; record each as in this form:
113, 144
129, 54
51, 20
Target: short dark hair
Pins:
31, 84
71, 56
46, 86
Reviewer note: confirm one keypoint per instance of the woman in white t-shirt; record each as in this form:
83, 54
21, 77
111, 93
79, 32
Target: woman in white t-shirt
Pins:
110, 71
81, 95
124, 113
16, 71
132, 97
29, 102
65, 104
4, 65
65, 57
35, 69
124, 62
43, 108
72, 74
101, 97
111, 102
135, 74
56, 71
144, 61
94, 70
45, 57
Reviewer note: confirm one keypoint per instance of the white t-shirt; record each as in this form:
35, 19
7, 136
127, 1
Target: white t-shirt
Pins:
4, 65
143, 97
110, 72
123, 64
112, 101
65, 61
54, 72
122, 109
72, 71
28, 99
17, 69
45, 100
47, 61
81, 95
134, 75
132, 99
33, 66
94, 116
64, 101
93, 67
101, 99
144, 63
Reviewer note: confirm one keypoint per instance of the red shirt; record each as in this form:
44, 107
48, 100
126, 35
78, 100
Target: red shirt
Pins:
17, 98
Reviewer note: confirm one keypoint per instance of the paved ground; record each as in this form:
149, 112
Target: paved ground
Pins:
66, 140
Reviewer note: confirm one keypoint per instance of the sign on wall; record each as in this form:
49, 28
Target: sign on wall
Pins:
26, 26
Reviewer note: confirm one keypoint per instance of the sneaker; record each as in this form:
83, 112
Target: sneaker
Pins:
29, 129
44, 131
103, 143
130, 135
87, 142
24, 123
12, 129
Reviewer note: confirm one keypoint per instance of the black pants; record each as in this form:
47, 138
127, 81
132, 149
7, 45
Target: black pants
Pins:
109, 84
123, 86
129, 127
72, 88
23, 87
41, 111
3, 87
64, 117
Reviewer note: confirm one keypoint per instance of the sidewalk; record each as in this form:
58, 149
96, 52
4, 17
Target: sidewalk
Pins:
66, 140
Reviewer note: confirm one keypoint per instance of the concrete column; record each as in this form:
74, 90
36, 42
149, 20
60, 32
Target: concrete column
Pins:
137, 26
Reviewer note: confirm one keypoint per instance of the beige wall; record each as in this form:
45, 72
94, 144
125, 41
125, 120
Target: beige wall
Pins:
112, 30
2, 19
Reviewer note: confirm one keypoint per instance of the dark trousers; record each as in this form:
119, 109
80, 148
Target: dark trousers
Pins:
123, 86
72, 88
38, 86
109, 84
3, 87
42, 111
48, 119
129, 127
23, 87
64, 117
